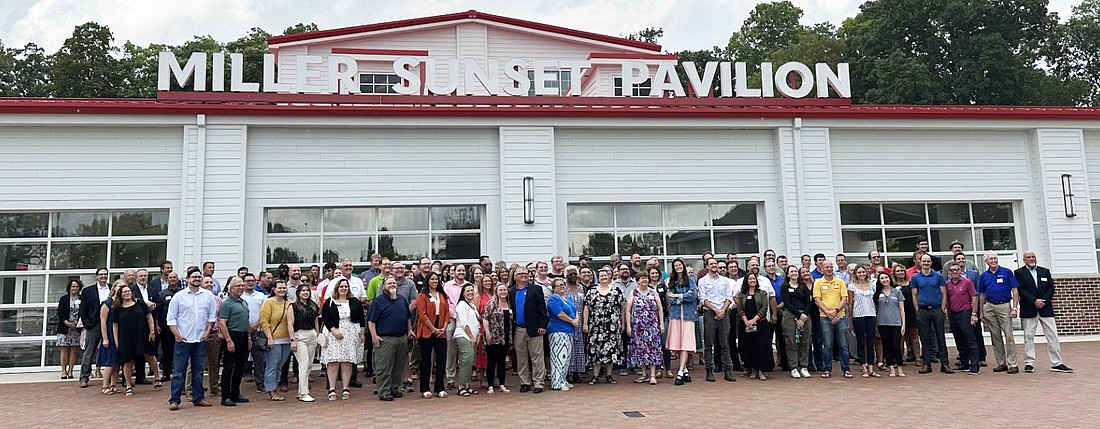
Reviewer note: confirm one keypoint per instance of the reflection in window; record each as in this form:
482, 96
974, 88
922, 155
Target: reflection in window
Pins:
69, 256
403, 219
23, 290
663, 230
140, 223
293, 220
24, 225
403, 247
73, 224
23, 257
977, 226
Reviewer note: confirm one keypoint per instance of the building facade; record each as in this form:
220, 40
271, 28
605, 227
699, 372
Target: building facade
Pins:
261, 179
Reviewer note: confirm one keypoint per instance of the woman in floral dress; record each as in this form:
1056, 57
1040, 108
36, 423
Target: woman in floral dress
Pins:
603, 325
644, 327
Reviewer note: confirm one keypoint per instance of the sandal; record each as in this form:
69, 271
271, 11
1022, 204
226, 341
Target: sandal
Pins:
130, 391
112, 390
865, 375
641, 379
610, 380
105, 390
847, 374
463, 392
876, 375
157, 386
826, 375
332, 394
345, 394
593, 381
900, 374
275, 397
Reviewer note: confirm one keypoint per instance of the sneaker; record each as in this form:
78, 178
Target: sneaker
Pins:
974, 370
805, 372
1061, 368
306, 398
1029, 368
795, 374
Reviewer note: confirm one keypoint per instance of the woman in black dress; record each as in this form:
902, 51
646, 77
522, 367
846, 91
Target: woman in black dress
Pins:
753, 333
131, 322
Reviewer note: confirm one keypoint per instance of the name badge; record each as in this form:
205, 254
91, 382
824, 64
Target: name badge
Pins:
824, 287
1000, 280
1044, 279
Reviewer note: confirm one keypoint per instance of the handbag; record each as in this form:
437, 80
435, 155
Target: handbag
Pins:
322, 340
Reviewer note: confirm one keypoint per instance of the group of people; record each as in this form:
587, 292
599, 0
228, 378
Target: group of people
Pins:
448, 324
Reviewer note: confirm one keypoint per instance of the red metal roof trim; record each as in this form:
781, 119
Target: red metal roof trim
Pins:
471, 14
543, 108
394, 52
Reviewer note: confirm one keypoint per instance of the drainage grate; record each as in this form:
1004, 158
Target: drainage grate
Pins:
633, 414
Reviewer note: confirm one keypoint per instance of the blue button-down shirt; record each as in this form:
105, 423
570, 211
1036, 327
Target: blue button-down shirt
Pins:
190, 311
997, 285
777, 284
928, 288
390, 316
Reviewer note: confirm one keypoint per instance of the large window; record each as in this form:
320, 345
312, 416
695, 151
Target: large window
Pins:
894, 229
378, 83
639, 90
560, 83
41, 251
666, 231
318, 235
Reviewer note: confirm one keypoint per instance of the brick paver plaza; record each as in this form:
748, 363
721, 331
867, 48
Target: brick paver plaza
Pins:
935, 400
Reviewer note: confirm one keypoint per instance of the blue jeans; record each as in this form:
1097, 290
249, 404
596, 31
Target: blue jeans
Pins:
835, 334
195, 354
273, 365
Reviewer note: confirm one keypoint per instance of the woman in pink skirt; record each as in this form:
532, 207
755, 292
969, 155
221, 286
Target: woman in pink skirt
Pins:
681, 317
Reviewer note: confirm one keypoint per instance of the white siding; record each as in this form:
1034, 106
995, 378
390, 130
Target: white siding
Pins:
1071, 241
93, 167
818, 216
223, 195
920, 165
319, 167
527, 152
623, 165
191, 194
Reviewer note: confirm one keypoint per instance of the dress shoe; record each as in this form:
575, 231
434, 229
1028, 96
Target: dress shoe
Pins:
679, 380
710, 375
729, 376
240, 400
1013, 370
687, 377
173, 406
524, 388
396, 393
204, 403
386, 398
356, 384
228, 403
925, 369
946, 369
537, 390
1000, 368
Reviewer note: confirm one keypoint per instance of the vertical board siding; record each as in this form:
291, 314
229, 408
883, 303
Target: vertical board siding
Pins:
527, 152
1062, 152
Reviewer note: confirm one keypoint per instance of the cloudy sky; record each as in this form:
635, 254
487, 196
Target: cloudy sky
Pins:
688, 24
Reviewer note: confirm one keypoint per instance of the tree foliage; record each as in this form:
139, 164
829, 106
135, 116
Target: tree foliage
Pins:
86, 65
1076, 49
648, 35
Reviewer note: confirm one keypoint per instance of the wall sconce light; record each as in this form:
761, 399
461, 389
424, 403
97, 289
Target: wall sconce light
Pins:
529, 200
1067, 196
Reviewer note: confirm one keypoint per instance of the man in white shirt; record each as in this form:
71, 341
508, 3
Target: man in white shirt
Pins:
716, 293
190, 316
355, 283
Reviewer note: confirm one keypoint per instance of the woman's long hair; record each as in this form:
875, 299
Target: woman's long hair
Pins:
675, 278
439, 284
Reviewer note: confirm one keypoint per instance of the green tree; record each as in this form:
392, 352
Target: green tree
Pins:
254, 46
648, 35
141, 66
85, 66
700, 58
953, 52
1076, 49
300, 28
769, 28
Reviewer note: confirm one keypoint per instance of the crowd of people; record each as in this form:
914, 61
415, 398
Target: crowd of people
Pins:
456, 328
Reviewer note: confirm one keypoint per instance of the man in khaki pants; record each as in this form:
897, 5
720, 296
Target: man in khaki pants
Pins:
999, 300
529, 308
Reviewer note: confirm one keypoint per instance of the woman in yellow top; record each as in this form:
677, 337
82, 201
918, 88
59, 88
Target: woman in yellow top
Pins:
277, 329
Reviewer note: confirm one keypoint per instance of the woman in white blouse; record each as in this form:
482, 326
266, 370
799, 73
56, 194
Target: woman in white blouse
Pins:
467, 326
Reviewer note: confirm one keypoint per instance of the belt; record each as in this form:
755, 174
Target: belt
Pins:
998, 303
927, 307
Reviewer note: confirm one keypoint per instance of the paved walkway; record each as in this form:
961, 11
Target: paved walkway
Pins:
935, 400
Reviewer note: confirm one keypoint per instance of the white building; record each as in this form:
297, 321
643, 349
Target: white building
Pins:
260, 179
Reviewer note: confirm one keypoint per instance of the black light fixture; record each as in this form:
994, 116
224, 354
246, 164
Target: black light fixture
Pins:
1067, 196
529, 200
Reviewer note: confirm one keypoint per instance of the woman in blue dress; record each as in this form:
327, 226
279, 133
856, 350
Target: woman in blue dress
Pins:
109, 349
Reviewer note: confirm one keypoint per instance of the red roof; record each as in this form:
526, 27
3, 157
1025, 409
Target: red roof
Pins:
470, 14
261, 104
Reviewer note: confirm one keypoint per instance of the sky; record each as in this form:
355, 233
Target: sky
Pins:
688, 24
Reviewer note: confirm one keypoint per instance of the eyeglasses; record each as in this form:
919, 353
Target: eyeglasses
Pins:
953, 270
874, 257
101, 275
